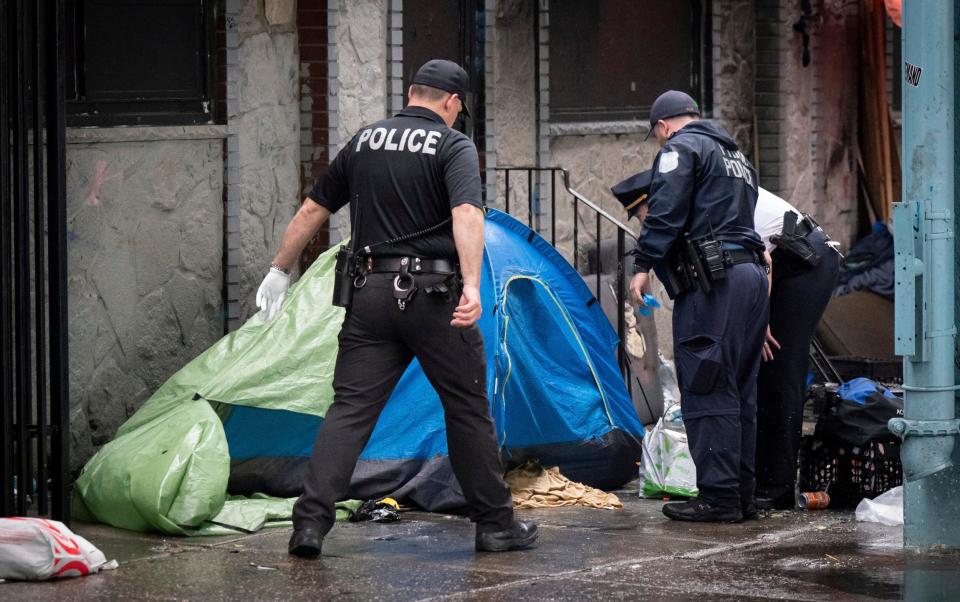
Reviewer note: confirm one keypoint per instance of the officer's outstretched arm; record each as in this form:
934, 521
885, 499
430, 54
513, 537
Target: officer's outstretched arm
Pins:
468, 236
299, 231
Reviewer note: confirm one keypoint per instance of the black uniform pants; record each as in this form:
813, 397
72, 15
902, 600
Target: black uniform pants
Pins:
377, 343
799, 297
718, 337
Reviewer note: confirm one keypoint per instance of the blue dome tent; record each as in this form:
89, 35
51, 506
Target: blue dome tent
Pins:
554, 385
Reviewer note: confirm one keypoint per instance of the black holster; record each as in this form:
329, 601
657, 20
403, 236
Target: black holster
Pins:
792, 245
344, 274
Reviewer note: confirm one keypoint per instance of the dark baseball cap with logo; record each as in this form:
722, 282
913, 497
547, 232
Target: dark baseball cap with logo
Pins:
444, 75
671, 103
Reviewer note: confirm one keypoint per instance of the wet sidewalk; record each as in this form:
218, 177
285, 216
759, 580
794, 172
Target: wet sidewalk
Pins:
583, 554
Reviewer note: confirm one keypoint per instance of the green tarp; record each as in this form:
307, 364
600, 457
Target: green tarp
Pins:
167, 468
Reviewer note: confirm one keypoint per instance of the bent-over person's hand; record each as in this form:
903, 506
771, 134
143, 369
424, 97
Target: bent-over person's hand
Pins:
468, 311
768, 344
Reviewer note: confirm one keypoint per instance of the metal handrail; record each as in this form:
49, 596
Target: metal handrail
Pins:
566, 184
622, 231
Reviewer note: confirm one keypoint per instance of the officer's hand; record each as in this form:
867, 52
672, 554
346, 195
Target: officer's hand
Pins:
639, 285
468, 312
768, 346
271, 292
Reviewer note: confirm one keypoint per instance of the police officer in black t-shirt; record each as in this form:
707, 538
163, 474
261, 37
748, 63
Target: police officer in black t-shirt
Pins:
412, 185
700, 221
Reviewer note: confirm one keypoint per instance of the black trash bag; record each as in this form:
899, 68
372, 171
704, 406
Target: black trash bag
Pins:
385, 510
860, 413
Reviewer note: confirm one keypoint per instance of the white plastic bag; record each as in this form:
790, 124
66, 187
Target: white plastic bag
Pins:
667, 466
35, 549
886, 508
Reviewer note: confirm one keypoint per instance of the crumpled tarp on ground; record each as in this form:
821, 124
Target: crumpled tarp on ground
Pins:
534, 486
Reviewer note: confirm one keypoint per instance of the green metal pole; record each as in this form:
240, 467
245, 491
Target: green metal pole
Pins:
924, 226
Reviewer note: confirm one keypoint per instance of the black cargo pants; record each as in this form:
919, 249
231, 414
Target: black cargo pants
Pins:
799, 297
377, 343
718, 337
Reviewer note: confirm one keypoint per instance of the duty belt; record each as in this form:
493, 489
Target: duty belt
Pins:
737, 256
414, 265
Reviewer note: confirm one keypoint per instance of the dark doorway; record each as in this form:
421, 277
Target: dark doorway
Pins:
452, 30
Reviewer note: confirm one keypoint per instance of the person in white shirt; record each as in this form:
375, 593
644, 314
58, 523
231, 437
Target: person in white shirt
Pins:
804, 270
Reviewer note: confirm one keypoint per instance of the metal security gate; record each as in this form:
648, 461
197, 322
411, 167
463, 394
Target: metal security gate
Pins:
34, 404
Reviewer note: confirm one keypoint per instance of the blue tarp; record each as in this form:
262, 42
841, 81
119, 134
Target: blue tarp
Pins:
555, 388
858, 390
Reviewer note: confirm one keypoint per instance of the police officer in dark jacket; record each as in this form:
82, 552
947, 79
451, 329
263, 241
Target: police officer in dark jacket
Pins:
699, 228
413, 188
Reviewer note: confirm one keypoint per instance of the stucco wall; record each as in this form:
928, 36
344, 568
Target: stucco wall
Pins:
145, 241
514, 78
361, 73
267, 122
596, 162
734, 56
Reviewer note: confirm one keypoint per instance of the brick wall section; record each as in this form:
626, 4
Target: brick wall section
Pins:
768, 95
312, 30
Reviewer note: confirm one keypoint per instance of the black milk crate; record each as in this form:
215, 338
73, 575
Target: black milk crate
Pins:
848, 472
889, 371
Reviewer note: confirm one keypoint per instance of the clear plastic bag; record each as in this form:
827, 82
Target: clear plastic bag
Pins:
667, 467
886, 508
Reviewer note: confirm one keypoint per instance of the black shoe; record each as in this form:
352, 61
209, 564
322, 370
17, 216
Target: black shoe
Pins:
749, 511
305, 542
521, 535
784, 501
699, 511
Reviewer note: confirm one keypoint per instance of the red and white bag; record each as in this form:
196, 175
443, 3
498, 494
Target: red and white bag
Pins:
35, 549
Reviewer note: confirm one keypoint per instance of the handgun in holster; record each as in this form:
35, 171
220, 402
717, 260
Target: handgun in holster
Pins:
344, 273
675, 275
698, 264
791, 244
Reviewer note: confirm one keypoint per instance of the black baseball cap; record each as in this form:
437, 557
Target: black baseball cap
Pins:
633, 191
444, 75
671, 104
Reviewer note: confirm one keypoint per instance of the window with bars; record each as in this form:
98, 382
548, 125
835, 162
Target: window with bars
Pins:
609, 59
140, 62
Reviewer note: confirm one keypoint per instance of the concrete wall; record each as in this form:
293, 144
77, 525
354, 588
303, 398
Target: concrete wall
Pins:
145, 240
267, 122
360, 34
514, 79
734, 57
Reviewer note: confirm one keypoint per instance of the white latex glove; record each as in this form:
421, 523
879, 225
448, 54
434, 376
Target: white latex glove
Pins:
271, 292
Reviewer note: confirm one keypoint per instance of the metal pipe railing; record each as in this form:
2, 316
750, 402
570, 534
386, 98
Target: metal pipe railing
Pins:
34, 402
600, 216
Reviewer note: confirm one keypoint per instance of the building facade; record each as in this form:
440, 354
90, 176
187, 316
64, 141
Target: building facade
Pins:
186, 157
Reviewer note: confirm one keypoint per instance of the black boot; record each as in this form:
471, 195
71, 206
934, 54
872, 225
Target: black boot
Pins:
749, 510
699, 511
521, 535
306, 542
